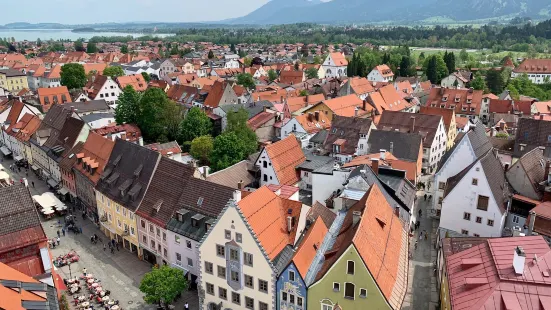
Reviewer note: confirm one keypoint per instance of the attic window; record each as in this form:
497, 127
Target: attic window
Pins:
200, 201
445, 98
342, 132
334, 130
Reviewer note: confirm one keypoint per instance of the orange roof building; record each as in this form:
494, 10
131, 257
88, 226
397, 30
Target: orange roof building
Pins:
349, 106
278, 161
54, 95
297, 103
19, 291
136, 81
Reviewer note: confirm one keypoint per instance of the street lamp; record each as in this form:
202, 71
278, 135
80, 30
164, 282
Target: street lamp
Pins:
70, 274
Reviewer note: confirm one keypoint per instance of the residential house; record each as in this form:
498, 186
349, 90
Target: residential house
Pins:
19, 138
88, 167
12, 113
292, 77
95, 113
54, 95
239, 176
103, 87
381, 73
471, 146
312, 163
363, 260
169, 149
430, 127
485, 109
278, 162
335, 65
387, 98
296, 104
476, 199
518, 107
220, 93
459, 79
137, 82
539, 108
305, 126
349, 106
386, 159
13, 80
527, 173
68, 183
537, 70
127, 132
348, 137
183, 94
533, 133
121, 189
359, 86
242, 254
465, 102
448, 116
495, 273
51, 77
539, 220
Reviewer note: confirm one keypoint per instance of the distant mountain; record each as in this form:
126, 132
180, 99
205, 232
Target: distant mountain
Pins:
366, 11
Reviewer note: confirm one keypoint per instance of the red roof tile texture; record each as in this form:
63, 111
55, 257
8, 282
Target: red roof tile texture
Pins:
285, 155
306, 251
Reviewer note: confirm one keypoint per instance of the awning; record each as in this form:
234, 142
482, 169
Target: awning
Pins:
63, 191
34, 168
52, 183
18, 158
5, 150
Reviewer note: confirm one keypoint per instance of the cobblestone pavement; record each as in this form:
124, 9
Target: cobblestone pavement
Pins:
120, 272
422, 289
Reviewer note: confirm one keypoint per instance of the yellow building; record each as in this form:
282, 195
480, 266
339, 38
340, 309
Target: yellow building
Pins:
117, 222
13, 80
448, 116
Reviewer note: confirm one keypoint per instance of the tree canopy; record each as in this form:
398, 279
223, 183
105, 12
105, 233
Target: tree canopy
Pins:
201, 148
73, 75
272, 75
113, 71
163, 284
195, 124
435, 68
495, 81
128, 107
91, 48
311, 73
246, 80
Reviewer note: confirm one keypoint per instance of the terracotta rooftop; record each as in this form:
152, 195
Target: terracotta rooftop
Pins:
346, 105
285, 155
297, 103
339, 59
283, 191
266, 213
136, 81
307, 249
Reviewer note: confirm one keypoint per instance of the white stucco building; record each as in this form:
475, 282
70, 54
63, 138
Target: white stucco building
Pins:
381, 73
277, 162
335, 65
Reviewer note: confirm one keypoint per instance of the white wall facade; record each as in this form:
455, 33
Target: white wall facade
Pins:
323, 185
537, 78
230, 220
438, 147
267, 172
375, 76
464, 198
188, 250
110, 91
292, 126
331, 69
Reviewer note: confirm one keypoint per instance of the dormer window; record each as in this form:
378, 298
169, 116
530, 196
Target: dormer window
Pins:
442, 106
452, 106
469, 100
445, 98
457, 98
463, 109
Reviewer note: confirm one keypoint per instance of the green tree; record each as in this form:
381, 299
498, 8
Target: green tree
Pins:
79, 47
247, 61
463, 55
227, 150
478, 82
272, 75
38, 42
174, 50
430, 71
495, 82
405, 66
113, 71
435, 68
210, 55
128, 107
195, 124
317, 60
311, 73
151, 119
172, 118
146, 76
237, 123
163, 284
124, 49
246, 80
201, 148
449, 59
91, 48
232, 48
73, 75
421, 58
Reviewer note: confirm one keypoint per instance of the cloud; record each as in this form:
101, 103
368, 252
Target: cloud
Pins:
104, 11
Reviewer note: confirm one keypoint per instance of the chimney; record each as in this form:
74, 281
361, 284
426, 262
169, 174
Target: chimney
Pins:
518, 260
531, 221
317, 115
289, 222
348, 86
412, 130
356, 216
441, 90
236, 195
240, 185
264, 108
383, 154
375, 165
356, 112
281, 99
391, 148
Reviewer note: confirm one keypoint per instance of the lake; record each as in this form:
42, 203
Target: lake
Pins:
56, 34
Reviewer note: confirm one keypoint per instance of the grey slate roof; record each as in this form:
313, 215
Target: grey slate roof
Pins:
532, 133
314, 162
17, 210
185, 227
405, 146
533, 163
349, 129
87, 106
231, 176
319, 137
283, 258
97, 116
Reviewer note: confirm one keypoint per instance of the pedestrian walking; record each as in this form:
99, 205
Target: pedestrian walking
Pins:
84, 271
80, 229
117, 245
32, 183
104, 247
63, 231
426, 235
425, 197
58, 234
112, 250
113, 242
58, 240
186, 306
420, 212
421, 236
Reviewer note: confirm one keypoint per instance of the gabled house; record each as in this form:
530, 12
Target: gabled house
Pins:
387, 98
103, 87
531, 134
537, 70
220, 93
292, 77
430, 127
518, 107
18, 139
359, 86
137, 82
68, 185
527, 173
448, 116
305, 126
246, 249
11, 114
465, 102
54, 95
381, 73
88, 167
348, 137
459, 79
363, 260
335, 65
121, 189
477, 198
471, 146
349, 106
278, 162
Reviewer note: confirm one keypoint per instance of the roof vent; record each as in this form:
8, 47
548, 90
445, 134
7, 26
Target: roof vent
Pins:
158, 205
200, 201
545, 274
117, 160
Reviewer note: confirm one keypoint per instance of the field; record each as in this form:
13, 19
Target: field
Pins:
485, 56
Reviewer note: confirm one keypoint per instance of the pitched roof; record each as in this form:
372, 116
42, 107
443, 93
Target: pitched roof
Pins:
232, 175
533, 163
311, 124
405, 145
542, 107
321, 211
424, 124
215, 94
179, 92
533, 133
68, 161
483, 277
448, 115
291, 77
390, 161
25, 132
347, 130
346, 105
285, 155
94, 85
307, 249
464, 101
131, 131
137, 81
94, 153
510, 106
127, 173
205, 197
260, 119
477, 138
266, 213
297, 103
165, 149
384, 70
339, 59
538, 66
87, 106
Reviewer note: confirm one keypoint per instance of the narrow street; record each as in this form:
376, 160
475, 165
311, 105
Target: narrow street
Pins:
120, 272
422, 292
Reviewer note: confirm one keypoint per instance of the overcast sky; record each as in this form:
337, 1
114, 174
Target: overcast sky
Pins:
101, 11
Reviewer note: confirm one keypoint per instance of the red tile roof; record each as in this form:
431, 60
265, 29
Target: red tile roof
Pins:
384, 70
346, 105
297, 103
311, 124
283, 191
538, 66
487, 280
54, 95
510, 106
464, 101
94, 153
285, 155
291, 77
307, 249
267, 214
260, 119
137, 81
339, 59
